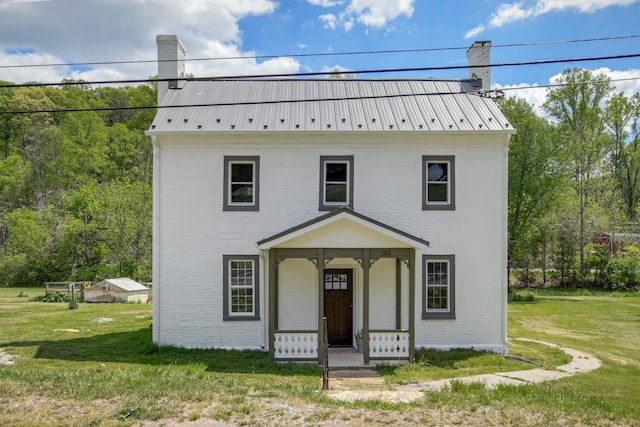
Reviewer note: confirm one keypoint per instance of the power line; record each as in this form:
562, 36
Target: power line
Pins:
295, 101
325, 54
552, 85
330, 73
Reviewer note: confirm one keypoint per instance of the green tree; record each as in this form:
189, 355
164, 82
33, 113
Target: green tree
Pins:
622, 118
6, 94
564, 253
534, 176
337, 73
577, 105
13, 182
112, 231
37, 139
624, 268
30, 255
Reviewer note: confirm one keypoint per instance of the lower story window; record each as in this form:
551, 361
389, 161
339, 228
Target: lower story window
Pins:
241, 290
438, 287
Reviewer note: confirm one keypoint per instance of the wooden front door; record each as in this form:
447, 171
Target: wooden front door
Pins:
338, 303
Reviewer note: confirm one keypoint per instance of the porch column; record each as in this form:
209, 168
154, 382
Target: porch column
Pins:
320, 265
412, 305
273, 301
398, 294
366, 265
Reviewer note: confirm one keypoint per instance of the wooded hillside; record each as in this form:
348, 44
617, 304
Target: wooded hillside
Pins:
75, 187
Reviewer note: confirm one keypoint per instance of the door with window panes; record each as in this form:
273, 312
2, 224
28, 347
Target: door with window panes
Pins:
338, 303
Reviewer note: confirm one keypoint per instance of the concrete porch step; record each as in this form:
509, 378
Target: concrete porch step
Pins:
353, 372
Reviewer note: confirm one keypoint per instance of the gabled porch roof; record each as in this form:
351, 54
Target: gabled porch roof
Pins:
342, 234
346, 224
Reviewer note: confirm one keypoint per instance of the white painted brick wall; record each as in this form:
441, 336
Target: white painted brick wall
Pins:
195, 233
382, 289
298, 308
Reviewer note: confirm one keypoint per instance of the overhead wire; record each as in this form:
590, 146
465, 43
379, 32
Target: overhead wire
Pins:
326, 73
322, 73
325, 54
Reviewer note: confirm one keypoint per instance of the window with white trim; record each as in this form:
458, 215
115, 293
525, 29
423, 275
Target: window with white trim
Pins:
241, 183
336, 182
438, 287
438, 182
241, 290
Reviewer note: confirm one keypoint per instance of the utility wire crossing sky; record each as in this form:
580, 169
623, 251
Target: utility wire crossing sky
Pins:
114, 40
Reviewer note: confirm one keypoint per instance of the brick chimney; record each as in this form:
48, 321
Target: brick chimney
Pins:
171, 54
479, 57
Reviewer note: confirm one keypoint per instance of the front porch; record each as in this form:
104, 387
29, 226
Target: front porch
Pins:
316, 271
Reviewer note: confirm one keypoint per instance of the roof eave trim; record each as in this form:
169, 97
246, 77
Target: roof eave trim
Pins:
332, 132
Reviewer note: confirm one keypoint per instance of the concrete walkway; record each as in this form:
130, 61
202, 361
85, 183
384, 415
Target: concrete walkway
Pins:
369, 386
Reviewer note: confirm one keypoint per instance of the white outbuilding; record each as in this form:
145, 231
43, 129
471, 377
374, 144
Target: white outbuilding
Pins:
116, 290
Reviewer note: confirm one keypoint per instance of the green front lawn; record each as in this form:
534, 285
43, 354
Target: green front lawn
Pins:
97, 366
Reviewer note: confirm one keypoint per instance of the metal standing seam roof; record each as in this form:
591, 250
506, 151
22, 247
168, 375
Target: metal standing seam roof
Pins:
127, 284
327, 105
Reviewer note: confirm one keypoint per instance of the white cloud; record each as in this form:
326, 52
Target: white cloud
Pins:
370, 13
325, 3
584, 6
376, 13
243, 63
532, 93
207, 28
507, 13
474, 31
29, 58
7, 3
625, 81
348, 25
329, 21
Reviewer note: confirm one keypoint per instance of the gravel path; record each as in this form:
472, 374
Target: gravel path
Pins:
356, 389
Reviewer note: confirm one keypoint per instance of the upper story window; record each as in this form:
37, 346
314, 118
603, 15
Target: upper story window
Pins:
438, 183
241, 183
336, 182
438, 287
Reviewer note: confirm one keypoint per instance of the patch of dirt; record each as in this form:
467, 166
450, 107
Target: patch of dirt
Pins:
620, 361
6, 359
277, 412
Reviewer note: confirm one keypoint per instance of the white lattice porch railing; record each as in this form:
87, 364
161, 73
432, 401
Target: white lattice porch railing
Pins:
389, 344
295, 345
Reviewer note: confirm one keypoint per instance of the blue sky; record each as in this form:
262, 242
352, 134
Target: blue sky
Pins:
76, 31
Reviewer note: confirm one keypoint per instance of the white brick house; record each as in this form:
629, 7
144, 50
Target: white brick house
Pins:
380, 204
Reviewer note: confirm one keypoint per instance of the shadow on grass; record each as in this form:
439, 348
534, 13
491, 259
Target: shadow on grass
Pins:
445, 359
136, 347
536, 301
